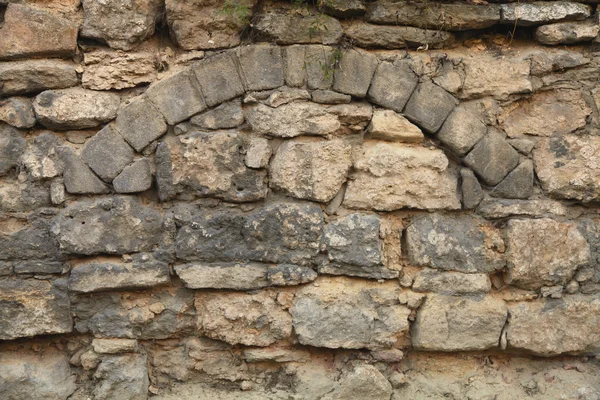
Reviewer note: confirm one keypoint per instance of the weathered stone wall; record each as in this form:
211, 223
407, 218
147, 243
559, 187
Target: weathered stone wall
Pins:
252, 199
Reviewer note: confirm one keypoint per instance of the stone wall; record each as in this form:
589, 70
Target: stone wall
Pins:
272, 200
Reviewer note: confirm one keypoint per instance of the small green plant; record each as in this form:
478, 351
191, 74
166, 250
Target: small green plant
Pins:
238, 12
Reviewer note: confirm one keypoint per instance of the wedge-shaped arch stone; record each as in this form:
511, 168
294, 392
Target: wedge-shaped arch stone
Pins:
354, 73
261, 66
492, 159
429, 106
218, 78
107, 153
140, 123
446, 323
392, 85
349, 313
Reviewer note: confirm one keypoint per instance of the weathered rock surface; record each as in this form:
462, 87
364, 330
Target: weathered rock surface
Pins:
453, 16
344, 8
391, 126
502, 208
21, 77
12, 145
309, 169
108, 69
17, 111
122, 377
548, 113
134, 178
460, 243
354, 73
536, 256
429, 106
75, 108
226, 115
518, 184
261, 66
218, 78
242, 318
33, 32
548, 327
29, 375
278, 233
78, 177
492, 159
97, 276
107, 153
207, 165
330, 97
223, 276
451, 283
472, 194
111, 225
207, 24
290, 275
156, 314
397, 37
538, 13
276, 354
567, 166
32, 307
298, 29
120, 24
365, 381
462, 130
41, 267
354, 248
258, 153
348, 313
114, 346
446, 323
392, 176
140, 123
31, 241
567, 32
392, 85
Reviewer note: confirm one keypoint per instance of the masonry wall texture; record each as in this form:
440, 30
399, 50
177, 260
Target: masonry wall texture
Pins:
338, 199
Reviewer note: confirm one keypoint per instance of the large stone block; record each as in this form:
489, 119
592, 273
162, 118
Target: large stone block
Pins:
218, 78
151, 314
21, 77
251, 319
354, 247
548, 327
568, 168
98, 276
536, 256
110, 225
492, 159
392, 176
78, 177
354, 73
261, 66
36, 375
106, 69
291, 28
458, 243
462, 130
177, 97
392, 85
446, 323
33, 32
122, 377
31, 241
122, 24
348, 313
556, 112
371, 36
278, 233
543, 12
207, 165
33, 307
12, 146
237, 276
452, 17
107, 153
309, 169
429, 106
140, 123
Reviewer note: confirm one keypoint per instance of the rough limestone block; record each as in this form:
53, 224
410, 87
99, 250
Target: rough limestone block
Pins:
492, 159
34, 32
451, 283
122, 24
106, 69
134, 178
354, 248
457, 243
218, 78
29, 242
295, 70
370, 36
18, 112
429, 106
311, 170
98, 276
391, 126
75, 108
78, 177
543, 12
462, 130
261, 66
223, 276
330, 97
21, 77
33, 307
122, 377
140, 123
446, 323
351, 314
518, 184
392, 85
258, 153
354, 73
12, 146
226, 115
103, 225
107, 153
536, 255
177, 97
251, 319
291, 28
567, 32
548, 327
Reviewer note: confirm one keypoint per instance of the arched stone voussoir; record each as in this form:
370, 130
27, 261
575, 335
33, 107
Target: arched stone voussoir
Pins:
140, 123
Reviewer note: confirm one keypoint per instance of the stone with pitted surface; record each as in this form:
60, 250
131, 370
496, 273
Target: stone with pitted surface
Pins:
140, 123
